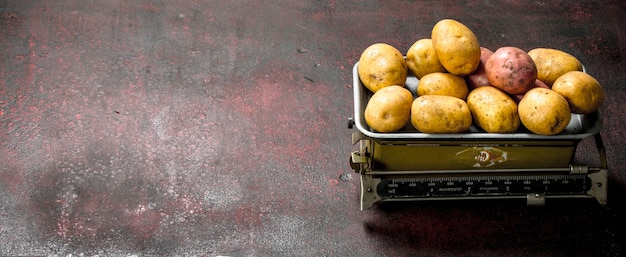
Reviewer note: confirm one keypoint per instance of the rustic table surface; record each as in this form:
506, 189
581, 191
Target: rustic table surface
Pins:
219, 128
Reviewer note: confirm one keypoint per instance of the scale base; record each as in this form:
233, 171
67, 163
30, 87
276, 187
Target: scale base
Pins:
534, 189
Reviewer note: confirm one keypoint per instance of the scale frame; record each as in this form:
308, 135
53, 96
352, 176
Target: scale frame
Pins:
362, 161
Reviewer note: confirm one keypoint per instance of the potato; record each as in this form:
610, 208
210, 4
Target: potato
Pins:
456, 46
493, 110
544, 112
389, 109
511, 69
552, 63
439, 83
478, 78
438, 114
582, 91
422, 59
381, 65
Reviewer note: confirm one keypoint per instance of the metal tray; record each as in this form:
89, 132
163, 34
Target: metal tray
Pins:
580, 126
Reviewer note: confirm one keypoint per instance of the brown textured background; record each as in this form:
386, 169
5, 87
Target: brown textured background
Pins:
219, 128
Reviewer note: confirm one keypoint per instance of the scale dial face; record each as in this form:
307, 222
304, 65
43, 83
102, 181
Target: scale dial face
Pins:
483, 186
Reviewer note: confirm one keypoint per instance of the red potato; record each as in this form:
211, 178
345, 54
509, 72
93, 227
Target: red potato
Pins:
479, 77
538, 83
511, 69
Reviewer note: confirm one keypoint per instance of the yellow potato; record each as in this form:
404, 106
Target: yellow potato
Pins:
439, 83
381, 65
544, 112
552, 63
493, 110
422, 59
456, 46
438, 114
582, 91
389, 109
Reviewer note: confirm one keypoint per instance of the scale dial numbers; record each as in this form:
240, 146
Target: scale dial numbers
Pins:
483, 186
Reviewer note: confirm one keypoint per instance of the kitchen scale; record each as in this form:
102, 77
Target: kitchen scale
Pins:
411, 166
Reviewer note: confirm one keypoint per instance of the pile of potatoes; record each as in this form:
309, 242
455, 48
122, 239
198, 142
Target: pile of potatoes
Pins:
462, 83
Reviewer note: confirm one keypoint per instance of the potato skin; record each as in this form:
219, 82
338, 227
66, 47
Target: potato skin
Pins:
493, 110
422, 59
544, 112
439, 83
439, 114
581, 90
381, 65
457, 46
389, 109
552, 63
511, 69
